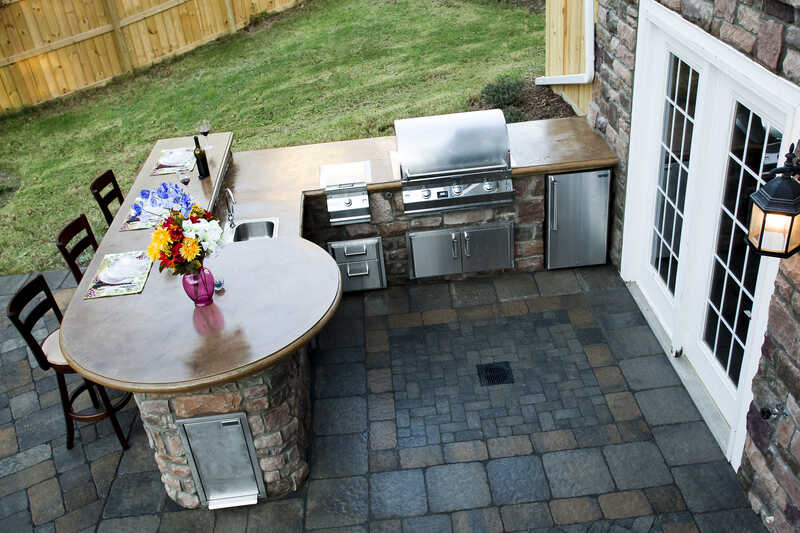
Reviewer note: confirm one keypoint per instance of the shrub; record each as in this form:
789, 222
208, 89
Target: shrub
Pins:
503, 92
513, 114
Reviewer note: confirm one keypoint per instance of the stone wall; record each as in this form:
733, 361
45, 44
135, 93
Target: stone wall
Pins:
771, 461
766, 31
391, 224
277, 403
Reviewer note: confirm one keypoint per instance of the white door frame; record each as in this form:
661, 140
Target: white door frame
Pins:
645, 133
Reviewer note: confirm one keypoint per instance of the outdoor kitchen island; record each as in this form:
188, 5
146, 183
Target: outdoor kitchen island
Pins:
247, 353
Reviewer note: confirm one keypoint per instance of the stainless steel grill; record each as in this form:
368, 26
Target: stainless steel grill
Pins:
455, 161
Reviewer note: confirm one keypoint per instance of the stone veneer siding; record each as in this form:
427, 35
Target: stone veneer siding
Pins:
391, 224
768, 32
277, 403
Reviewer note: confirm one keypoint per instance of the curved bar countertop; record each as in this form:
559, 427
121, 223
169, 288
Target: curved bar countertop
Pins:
278, 293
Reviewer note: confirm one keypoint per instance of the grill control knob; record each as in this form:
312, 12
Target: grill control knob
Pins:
457, 189
426, 193
488, 186
348, 202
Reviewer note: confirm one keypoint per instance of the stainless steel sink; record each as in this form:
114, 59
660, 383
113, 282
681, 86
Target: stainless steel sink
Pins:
265, 228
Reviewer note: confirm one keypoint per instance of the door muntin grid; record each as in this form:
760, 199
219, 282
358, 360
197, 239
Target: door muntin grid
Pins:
754, 149
673, 176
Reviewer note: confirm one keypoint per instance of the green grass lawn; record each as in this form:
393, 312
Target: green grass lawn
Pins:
329, 70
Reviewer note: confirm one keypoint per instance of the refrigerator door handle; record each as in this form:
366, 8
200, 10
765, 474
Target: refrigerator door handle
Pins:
553, 203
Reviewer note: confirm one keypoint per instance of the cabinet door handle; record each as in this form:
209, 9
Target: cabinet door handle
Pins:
454, 242
554, 204
352, 274
355, 250
467, 252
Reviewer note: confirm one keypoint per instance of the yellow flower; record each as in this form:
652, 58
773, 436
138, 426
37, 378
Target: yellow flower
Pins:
161, 238
190, 248
153, 251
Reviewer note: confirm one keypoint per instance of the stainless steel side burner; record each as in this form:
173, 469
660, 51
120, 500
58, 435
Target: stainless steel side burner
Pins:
345, 187
456, 161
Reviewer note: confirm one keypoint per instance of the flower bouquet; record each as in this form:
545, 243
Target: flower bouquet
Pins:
154, 205
181, 243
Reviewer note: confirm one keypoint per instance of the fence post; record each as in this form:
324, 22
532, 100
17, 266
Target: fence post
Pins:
231, 17
119, 38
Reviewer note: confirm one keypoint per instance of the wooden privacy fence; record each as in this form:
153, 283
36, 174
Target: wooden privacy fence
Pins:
49, 48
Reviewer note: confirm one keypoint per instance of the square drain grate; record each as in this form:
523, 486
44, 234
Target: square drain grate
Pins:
495, 373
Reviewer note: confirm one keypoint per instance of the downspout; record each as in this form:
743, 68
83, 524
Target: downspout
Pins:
588, 39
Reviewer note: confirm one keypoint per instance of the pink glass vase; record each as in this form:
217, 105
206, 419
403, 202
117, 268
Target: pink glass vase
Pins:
200, 287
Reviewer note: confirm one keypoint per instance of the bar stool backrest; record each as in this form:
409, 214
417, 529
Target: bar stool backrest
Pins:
34, 292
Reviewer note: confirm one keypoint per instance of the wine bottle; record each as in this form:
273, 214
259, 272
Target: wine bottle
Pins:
202, 161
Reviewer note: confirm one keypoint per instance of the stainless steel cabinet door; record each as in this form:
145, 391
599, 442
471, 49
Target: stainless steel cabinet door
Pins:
435, 253
577, 218
487, 247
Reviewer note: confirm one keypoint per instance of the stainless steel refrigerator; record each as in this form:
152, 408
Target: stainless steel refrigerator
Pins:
577, 218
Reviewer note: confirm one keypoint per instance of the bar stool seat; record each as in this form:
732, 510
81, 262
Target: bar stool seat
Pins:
52, 350
48, 354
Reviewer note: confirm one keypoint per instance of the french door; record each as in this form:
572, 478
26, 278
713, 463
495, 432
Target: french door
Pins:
703, 132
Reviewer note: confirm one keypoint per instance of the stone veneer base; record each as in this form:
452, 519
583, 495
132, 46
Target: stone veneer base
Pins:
277, 403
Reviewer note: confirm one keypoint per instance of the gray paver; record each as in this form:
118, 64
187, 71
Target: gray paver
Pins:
40, 426
428, 297
24, 459
556, 282
339, 456
649, 372
347, 379
477, 521
340, 415
687, 443
282, 515
24, 404
131, 524
470, 478
739, 520
577, 473
633, 342
709, 487
195, 520
671, 405
517, 480
134, 494
336, 502
472, 292
636, 465
46, 502
524, 516
397, 494
515, 287
437, 523
13, 503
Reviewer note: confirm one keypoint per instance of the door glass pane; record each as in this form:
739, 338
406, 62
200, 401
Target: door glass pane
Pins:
673, 172
733, 281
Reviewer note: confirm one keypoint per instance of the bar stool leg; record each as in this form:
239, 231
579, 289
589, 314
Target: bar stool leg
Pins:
62, 389
113, 416
92, 394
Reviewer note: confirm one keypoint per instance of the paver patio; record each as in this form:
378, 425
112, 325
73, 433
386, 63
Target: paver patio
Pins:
596, 433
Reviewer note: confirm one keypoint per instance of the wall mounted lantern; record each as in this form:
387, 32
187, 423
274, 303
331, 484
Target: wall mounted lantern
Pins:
775, 211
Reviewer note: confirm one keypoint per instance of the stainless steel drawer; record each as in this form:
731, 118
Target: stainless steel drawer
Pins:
362, 275
359, 250
361, 263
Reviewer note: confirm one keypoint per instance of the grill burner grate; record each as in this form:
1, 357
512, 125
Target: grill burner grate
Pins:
495, 373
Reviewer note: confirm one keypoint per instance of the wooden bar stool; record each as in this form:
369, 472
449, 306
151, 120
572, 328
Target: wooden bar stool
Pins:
70, 231
104, 200
48, 354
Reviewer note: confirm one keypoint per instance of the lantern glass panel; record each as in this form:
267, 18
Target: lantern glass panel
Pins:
794, 240
776, 233
756, 222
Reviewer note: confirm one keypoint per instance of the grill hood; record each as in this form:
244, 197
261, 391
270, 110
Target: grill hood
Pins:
451, 145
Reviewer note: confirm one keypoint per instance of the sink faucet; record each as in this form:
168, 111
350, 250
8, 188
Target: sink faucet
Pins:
230, 201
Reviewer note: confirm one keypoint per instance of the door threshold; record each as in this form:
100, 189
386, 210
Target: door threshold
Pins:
712, 416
